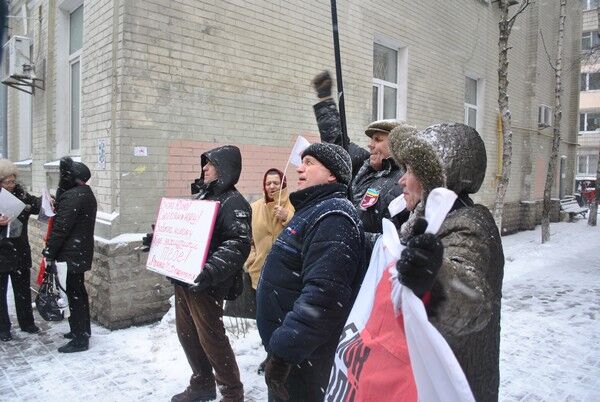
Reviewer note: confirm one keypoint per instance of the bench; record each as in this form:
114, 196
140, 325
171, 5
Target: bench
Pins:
569, 205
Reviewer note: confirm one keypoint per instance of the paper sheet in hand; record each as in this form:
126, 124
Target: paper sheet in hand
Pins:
10, 205
182, 237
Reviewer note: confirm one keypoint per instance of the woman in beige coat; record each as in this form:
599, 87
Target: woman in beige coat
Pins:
270, 215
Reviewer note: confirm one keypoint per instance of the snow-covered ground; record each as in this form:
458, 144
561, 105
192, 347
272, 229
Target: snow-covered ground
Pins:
550, 338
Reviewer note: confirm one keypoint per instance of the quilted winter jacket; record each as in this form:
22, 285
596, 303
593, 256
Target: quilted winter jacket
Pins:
311, 276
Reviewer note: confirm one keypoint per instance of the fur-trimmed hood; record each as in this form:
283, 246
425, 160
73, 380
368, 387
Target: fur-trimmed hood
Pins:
443, 155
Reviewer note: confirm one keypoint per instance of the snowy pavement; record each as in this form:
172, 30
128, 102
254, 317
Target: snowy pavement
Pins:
550, 347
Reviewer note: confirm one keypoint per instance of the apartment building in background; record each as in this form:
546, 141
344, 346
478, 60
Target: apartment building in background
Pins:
589, 101
137, 90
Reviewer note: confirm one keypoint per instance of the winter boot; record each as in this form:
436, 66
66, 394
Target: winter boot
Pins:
5, 336
190, 395
68, 335
75, 345
31, 329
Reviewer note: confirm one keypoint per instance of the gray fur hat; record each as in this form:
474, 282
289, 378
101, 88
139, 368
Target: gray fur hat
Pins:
7, 168
334, 158
443, 155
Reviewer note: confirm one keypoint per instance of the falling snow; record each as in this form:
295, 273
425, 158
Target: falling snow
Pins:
549, 352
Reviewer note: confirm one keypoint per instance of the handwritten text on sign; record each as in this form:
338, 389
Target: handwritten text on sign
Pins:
182, 237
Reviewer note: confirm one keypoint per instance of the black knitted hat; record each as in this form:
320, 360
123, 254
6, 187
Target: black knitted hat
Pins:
334, 158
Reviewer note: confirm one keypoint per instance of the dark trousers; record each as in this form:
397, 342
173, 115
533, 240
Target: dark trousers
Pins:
199, 320
307, 381
79, 306
22, 292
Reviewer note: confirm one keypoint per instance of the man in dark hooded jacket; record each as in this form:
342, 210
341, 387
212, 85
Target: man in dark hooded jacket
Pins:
311, 278
199, 308
72, 242
375, 173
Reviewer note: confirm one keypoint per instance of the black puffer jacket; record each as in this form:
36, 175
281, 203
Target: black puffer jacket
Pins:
372, 190
15, 253
72, 236
230, 243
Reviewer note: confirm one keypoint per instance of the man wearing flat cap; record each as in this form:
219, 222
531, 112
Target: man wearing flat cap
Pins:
311, 278
375, 173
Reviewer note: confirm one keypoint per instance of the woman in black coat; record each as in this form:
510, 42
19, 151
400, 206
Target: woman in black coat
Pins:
15, 256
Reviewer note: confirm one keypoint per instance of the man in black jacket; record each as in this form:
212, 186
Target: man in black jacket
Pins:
311, 278
199, 308
375, 173
72, 242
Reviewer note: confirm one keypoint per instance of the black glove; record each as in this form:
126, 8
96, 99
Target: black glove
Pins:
51, 267
322, 84
421, 260
276, 374
202, 281
147, 241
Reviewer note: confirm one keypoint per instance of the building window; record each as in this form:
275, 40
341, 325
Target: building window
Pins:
471, 102
589, 40
590, 81
587, 164
385, 82
589, 121
75, 43
589, 4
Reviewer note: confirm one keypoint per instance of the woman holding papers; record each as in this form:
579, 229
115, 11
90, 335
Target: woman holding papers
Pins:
15, 255
458, 273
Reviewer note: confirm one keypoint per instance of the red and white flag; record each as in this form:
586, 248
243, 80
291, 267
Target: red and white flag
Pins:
388, 347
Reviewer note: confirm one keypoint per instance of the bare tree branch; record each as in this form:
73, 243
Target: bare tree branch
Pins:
546, 50
524, 4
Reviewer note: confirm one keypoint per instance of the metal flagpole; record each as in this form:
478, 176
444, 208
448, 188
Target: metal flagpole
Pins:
338, 72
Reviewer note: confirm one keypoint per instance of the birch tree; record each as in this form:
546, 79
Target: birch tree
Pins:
505, 27
557, 67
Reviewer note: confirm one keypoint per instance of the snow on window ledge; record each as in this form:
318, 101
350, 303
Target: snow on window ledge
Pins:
54, 165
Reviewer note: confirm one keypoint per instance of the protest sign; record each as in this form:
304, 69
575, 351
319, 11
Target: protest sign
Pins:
10, 205
182, 238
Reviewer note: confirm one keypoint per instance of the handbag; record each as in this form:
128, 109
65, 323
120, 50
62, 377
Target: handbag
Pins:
244, 306
47, 299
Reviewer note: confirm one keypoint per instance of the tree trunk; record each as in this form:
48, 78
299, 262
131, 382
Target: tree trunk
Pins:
505, 26
594, 206
550, 174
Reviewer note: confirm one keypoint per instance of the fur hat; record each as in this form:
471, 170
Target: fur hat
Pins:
334, 158
443, 155
7, 168
382, 126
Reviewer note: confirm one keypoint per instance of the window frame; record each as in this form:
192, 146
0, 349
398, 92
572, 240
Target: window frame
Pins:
587, 5
586, 87
585, 119
401, 84
470, 106
72, 59
590, 168
381, 84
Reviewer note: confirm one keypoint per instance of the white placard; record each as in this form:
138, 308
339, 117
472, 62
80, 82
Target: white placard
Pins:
47, 204
140, 151
10, 205
182, 237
